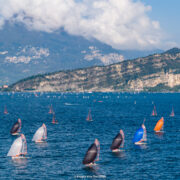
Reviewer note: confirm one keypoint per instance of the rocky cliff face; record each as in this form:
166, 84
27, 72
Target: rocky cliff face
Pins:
158, 72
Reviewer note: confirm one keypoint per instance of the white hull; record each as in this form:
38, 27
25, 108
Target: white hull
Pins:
117, 150
19, 157
15, 134
139, 143
90, 165
159, 131
40, 141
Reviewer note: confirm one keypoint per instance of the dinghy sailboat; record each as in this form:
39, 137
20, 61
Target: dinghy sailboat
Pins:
159, 125
16, 127
172, 113
50, 109
154, 112
140, 136
118, 142
54, 121
92, 153
41, 134
89, 117
5, 110
18, 148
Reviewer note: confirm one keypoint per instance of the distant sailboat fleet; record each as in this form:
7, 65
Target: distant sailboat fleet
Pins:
19, 147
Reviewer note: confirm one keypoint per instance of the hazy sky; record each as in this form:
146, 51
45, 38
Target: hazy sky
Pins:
123, 24
167, 12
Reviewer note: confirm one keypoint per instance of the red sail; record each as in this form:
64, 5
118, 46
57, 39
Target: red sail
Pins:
50, 110
5, 110
89, 117
154, 113
54, 121
172, 113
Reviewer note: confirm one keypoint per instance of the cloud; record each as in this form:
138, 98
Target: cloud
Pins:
123, 24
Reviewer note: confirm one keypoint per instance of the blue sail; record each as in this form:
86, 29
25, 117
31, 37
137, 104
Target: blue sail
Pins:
138, 135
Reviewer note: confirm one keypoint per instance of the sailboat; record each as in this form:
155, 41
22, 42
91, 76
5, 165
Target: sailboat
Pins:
92, 154
5, 110
159, 125
154, 112
172, 113
18, 148
16, 128
89, 117
118, 142
50, 109
41, 134
140, 136
54, 121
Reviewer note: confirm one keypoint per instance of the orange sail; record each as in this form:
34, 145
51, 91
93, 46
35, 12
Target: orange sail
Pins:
172, 113
159, 125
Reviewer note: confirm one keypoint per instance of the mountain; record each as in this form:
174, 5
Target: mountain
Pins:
158, 72
25, 53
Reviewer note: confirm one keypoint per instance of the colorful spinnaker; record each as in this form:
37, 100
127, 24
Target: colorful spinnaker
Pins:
92, 153
118, 141
16, 127
41, 134
159, 125
18, 148
140, 135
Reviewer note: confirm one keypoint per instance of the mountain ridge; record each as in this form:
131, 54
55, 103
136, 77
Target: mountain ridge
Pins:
158, 72
24, 53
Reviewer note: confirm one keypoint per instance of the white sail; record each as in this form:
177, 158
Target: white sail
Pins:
19, 147
122, 133
41, 134
144, 133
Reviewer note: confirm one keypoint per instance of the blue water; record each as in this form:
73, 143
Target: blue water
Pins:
61, 157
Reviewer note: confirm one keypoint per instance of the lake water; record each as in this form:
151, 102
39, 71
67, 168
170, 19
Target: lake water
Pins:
61, 157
